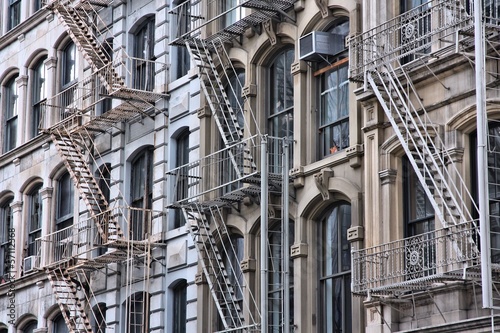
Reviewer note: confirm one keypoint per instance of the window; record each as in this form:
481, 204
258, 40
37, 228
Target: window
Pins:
11, 112
142, 193
105, 103
335, 270
37, 5
34, 219
281, 106
183, 26
493, 184
179, 307
30, 327
419, 225
69, 74
228, 172
233, 15
182, 181
144, 52
39, 95
65, 202
137, 313
14, 13
333, 126
415, 24
275, 277
99, 318
59, 325
232, 260
6, 223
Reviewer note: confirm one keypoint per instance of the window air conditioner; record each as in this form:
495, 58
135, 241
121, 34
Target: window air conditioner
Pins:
30, 263
318, 45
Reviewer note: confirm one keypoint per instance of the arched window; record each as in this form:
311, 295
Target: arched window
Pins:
141, 193
6, 249
144, 42
182, 183
64, 217
335, 269
34, 219
69, 66
179, 305
98, 320
183, 25
280, 119
59, 325
333, 122
137, 313
11, 105
30, 327
39, 95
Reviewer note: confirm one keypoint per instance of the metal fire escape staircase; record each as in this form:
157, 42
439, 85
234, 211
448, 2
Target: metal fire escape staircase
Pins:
73, 136
205, 214
453, 246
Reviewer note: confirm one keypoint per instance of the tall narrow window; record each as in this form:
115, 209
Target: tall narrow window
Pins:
232, 10
144, 52
182, 181
59, 325
335, 270
275, 276
105, 103
99, 318
10, 114
235, 132
183, 26
179, 307
14, 13
65, 202
142, 193
6, 223
39, 95
281, 106
419, 225
137, 313
334, 105
34, 220
69, 69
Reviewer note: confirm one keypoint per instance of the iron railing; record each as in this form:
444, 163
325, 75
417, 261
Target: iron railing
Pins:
414, 34
413, 262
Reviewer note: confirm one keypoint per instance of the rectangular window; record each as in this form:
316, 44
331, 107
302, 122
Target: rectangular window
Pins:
6, 222
34, 221
144, 53
11, 111
39, 95
14, 13
142, 194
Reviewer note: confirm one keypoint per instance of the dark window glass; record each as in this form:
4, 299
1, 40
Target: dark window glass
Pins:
69, 65
14, 13
105, 103
10, 114
59, 325
34, 220
137, 313
182, 183
179, 307
30, 327
233, 12
142, 193
39, 95
6, 223
144, 52
99, 319
335, 270
183, 26
281, 106
65, 202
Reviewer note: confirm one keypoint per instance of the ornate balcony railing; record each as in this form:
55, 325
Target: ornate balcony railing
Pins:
415, 262
414, 34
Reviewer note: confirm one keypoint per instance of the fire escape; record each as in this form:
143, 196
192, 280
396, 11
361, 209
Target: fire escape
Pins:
71, 118
382, 59
248, 166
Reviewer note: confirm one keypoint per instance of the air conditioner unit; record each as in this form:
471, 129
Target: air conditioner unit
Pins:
318, 45
30, 263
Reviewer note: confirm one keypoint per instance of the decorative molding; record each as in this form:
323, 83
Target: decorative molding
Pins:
355, 154
388, 176
323, 7
249, 91
269, 29
297, 175
355, 234
16, 206
204, 112
299, 250
16, 161
455, 155
200, 279
248, 265
299, 67
321, 179
22, 80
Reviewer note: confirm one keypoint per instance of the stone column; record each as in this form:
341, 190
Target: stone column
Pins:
22, 83
17, 208
48, 115
46, 194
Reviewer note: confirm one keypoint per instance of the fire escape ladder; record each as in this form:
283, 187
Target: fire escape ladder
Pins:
75, 21
66, 294
69, 148
424, 148
212, 258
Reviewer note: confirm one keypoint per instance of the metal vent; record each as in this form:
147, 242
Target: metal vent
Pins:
318, 45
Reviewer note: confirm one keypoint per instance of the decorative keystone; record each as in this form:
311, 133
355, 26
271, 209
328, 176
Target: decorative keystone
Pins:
321, 179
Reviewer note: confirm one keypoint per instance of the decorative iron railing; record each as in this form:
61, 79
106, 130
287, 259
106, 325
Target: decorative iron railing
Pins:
414, 34
412, 263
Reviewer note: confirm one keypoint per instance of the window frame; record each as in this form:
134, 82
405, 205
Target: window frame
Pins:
182, 59
182, 150
179, 305
132, 312
11, 113
7, 221
38, 95
141, 170
144, 52
35, 207
14, 13
65, 193
341, 273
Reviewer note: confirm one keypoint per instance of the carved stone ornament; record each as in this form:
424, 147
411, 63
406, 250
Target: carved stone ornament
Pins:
269, 29
321, 180
323, 7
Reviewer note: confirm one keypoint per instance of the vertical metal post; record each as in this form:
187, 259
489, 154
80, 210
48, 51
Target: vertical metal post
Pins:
263, 234
482, 154
286, 240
